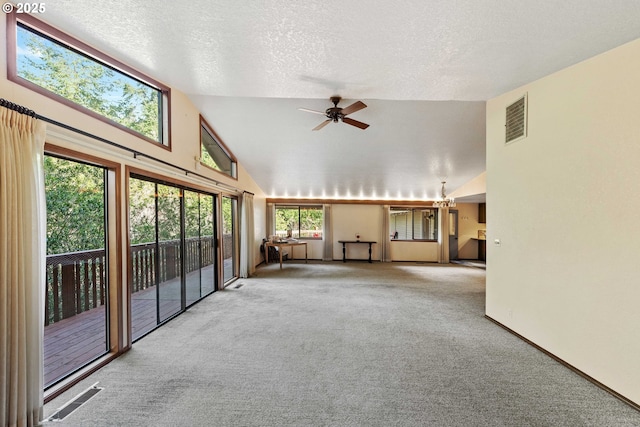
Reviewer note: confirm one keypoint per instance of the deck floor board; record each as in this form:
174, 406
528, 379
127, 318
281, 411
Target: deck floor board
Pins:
73, 342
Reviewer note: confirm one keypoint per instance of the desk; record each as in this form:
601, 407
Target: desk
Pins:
344, 247
482, 248
284, 245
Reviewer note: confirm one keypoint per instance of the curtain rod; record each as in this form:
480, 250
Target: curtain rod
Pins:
8, 104
15, 107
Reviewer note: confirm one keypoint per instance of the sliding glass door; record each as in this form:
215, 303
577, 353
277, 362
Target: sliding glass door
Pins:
76, 294
143, 253
209, 261
199, 245
169, 246
173, 263
229, 215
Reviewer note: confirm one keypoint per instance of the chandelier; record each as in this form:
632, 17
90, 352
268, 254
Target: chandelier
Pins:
445, 202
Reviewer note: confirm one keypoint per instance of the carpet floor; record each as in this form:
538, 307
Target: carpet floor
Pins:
342, 344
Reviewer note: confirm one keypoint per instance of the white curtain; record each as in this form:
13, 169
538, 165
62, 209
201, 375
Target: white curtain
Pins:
327, 236
385, 256
247, 236
271, 220
22, 258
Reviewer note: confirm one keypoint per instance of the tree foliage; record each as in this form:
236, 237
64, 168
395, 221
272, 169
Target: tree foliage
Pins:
198, 207
89, 83
75, 206
302, 221
75, 192
227, 215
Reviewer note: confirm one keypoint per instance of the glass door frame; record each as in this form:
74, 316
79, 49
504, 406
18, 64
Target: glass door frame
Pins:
235, 240
139, 174
116, 335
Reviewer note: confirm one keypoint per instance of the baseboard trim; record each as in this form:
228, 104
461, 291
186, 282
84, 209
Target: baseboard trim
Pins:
568, 365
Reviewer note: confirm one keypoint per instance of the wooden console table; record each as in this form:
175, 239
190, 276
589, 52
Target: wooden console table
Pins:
344, 247
282, 245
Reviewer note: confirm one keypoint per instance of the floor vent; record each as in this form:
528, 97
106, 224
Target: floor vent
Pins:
238, 286
75, 403
516, 120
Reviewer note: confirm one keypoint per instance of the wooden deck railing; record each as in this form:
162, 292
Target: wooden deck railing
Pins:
76, 281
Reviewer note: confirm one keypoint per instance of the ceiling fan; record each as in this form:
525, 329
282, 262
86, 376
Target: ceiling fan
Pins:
335, 114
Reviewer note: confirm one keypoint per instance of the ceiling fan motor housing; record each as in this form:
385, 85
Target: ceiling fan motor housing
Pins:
334, 113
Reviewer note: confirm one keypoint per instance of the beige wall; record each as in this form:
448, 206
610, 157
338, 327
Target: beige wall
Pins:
347, 220
414, 251
468, 227
185, 137
477, 185
564, 204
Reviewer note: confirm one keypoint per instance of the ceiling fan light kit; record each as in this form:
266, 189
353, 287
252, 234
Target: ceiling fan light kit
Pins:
337, 114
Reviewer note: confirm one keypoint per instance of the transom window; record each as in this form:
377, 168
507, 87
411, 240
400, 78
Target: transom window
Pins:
299, 222
413, 223
59, 66
213, 153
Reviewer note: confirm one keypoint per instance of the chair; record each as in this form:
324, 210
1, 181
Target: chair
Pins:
274, 254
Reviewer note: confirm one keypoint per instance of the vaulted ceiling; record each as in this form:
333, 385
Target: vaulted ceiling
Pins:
423, 67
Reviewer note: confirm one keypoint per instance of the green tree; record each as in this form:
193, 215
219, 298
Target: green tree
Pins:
89, 83
227, 215
199, 219
168, 212
198, 214
142, 211
303, 221
75, 206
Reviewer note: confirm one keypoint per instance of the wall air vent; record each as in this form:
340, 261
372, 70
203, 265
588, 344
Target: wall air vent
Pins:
516, 120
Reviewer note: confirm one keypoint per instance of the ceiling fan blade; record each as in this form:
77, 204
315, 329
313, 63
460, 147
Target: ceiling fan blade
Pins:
312, 111
323, 124
356, 106
355, 123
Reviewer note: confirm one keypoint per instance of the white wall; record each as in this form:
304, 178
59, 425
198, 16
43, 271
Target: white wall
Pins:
564, 203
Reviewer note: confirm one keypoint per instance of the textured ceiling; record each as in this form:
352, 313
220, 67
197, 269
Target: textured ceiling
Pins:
249, 65
405, 153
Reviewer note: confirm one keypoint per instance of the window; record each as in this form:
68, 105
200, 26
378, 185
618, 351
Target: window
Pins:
213, 153
299, 222
58, 66
413, 224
